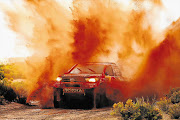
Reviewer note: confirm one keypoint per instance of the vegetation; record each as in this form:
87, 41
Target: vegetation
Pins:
164, 104
174, 95
138, 110
174, 111
6, 91
171, 103
8, 73
19, 88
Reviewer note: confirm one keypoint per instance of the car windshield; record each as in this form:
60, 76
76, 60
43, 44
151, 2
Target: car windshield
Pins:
88, 69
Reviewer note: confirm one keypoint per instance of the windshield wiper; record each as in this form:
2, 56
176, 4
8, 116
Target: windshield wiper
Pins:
79, 69
91, 70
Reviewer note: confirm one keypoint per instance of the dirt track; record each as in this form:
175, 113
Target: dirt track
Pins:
20, 111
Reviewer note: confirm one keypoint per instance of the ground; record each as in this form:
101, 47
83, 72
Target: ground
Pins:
20, 111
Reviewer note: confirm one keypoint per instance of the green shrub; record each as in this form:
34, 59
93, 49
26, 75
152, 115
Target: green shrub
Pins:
10, 95
174, 95
174, 111
10, 71
20, 88
6, 91
164, 104
171, 104
7, 74
136, 111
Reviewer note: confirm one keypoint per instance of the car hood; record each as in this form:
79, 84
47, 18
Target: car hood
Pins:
82, 75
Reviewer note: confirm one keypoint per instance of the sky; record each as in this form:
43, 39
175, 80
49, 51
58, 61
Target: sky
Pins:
11, 45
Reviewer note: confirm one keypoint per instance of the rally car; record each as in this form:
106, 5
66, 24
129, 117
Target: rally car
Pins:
93, 81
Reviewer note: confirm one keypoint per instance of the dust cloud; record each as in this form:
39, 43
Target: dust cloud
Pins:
95, 31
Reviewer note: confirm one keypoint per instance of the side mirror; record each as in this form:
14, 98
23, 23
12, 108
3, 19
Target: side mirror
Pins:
106, 73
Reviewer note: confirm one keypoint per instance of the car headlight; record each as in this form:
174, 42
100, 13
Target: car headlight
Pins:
58, 78
91, 79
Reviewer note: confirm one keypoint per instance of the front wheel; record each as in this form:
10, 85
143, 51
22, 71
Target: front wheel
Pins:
96, 99
56, 103
100, 101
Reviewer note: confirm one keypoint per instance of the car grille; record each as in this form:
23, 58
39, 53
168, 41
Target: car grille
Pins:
73, 79
72, 85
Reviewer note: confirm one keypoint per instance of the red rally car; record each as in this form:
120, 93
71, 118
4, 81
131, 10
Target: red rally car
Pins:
94, 81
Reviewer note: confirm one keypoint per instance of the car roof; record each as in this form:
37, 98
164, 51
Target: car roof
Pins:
101, 63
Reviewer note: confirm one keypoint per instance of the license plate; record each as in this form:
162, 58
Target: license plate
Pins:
72, 90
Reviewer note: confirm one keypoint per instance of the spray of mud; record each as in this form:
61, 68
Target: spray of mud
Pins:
101, 31
160, 70
45, 25
123, 37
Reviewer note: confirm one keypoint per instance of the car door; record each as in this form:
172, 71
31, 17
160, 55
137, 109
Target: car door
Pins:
117, 73
109, 73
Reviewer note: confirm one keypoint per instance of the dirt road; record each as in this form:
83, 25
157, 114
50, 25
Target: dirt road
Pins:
20, 111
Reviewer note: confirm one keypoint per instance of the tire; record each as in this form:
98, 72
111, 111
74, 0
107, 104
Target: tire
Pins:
96, 100
101, 100
56, 103
97, 103
90, 98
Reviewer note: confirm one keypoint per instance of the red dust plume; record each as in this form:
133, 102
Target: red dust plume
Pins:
161, 69
95, 30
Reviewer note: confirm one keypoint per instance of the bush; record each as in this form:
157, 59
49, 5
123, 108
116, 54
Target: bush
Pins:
137, 111
174, 95
10, 71
7, 74
10, 95
6, 91
171, 104
164, 104
20, 89
174, 111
